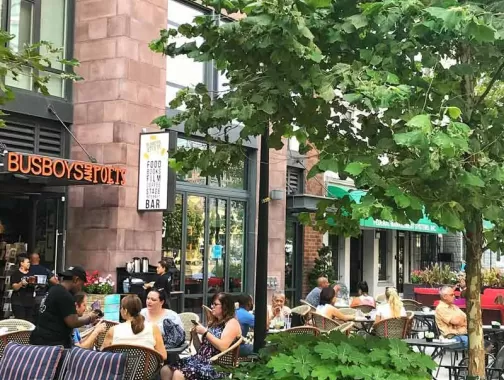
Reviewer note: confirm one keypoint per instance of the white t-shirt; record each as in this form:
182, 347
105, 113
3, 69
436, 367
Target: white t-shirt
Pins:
385, 312
168, 314
124, 335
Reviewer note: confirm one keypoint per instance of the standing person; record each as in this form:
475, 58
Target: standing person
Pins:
22, 299
313, 298
40, 289
163, 282
58, 315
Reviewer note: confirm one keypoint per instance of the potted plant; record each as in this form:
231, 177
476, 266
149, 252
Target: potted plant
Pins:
97, 288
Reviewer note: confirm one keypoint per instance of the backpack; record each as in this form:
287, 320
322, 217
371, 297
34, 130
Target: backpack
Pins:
174, 335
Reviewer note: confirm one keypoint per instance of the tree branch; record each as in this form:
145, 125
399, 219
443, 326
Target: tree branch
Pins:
490, 85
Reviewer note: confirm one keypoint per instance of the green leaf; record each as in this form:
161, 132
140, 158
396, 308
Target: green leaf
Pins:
402, 201
451, 17
413, 138
358, 21
329, 165
315, 4
449, 218
393, 79
493, 212
352, 98
326, 92
454, 112
471, 180
481, 33
314, 171
316, 56
268, 107
355, 168
422, 122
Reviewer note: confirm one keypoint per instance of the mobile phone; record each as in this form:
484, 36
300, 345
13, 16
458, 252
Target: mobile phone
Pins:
194, 322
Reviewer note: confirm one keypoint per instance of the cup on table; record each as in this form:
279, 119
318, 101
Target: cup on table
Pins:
279, 324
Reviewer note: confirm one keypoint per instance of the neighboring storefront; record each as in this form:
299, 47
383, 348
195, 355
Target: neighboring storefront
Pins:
385, 252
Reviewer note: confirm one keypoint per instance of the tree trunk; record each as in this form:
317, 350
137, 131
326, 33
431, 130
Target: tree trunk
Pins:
474, 244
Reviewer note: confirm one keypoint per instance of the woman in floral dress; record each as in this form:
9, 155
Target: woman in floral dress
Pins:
221, 333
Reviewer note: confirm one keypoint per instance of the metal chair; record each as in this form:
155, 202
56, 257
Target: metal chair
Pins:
396, 328
304, 313
142, 363
19, 337
101, 337
229, 357
381, 298
323, 323
366, 309
208, 314
13, 325
304, 330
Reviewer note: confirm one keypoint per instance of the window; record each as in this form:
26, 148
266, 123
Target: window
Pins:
382, 255
31, 21
181, 71
233, 178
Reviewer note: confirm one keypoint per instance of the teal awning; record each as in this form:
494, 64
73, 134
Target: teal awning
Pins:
423, 225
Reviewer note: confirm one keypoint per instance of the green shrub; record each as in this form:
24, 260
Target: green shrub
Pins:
336, 357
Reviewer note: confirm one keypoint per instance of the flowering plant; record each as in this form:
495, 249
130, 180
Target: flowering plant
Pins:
416, 276
98, 285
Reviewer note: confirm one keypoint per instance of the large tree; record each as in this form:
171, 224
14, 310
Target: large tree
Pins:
396, 94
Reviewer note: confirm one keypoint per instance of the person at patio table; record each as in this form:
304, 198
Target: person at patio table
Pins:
221, 333
89, 341
393, 308
277, 309
450, 320
135, 331
246, 320
313, 297
58, 316
364, 298
326, 308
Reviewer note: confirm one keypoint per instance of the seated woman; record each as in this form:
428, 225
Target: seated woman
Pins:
135, 331
168, 322
89, 341
364, 298
277, 309
246, 320
221, 333
393, 308
326, 308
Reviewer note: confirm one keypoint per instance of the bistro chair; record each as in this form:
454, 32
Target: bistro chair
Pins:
186, 319
229, 357
323, 323
101, 337
304, 330
381, 298
366, 309
345, 328
393, 328
303, 312
412, 305
208, 314
303, 302
348, 311
13, 325
142, 363
19, 337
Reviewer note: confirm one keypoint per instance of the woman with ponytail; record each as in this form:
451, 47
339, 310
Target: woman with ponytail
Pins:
393, 308
135, 331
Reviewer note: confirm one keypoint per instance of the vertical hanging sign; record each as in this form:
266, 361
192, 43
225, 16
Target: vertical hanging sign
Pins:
153, 172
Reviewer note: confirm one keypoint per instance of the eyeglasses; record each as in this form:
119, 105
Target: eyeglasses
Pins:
215, 304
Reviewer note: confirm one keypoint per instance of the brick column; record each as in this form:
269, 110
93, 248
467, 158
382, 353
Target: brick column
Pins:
122, 92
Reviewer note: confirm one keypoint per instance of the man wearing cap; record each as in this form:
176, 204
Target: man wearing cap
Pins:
58, 316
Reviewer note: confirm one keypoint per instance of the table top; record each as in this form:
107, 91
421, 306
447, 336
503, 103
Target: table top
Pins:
423, 342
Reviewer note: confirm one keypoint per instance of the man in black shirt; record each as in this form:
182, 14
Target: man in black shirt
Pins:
41, 288
58, 316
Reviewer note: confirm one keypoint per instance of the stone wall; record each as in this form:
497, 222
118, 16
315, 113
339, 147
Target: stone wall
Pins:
122, 92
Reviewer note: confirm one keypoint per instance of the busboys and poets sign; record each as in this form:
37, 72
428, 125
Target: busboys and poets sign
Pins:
53, 167
153, 172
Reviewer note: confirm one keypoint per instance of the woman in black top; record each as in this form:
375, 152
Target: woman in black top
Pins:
22, 299
163, 282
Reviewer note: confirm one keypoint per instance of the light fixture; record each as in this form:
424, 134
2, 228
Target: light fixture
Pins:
277, 195
377, 235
